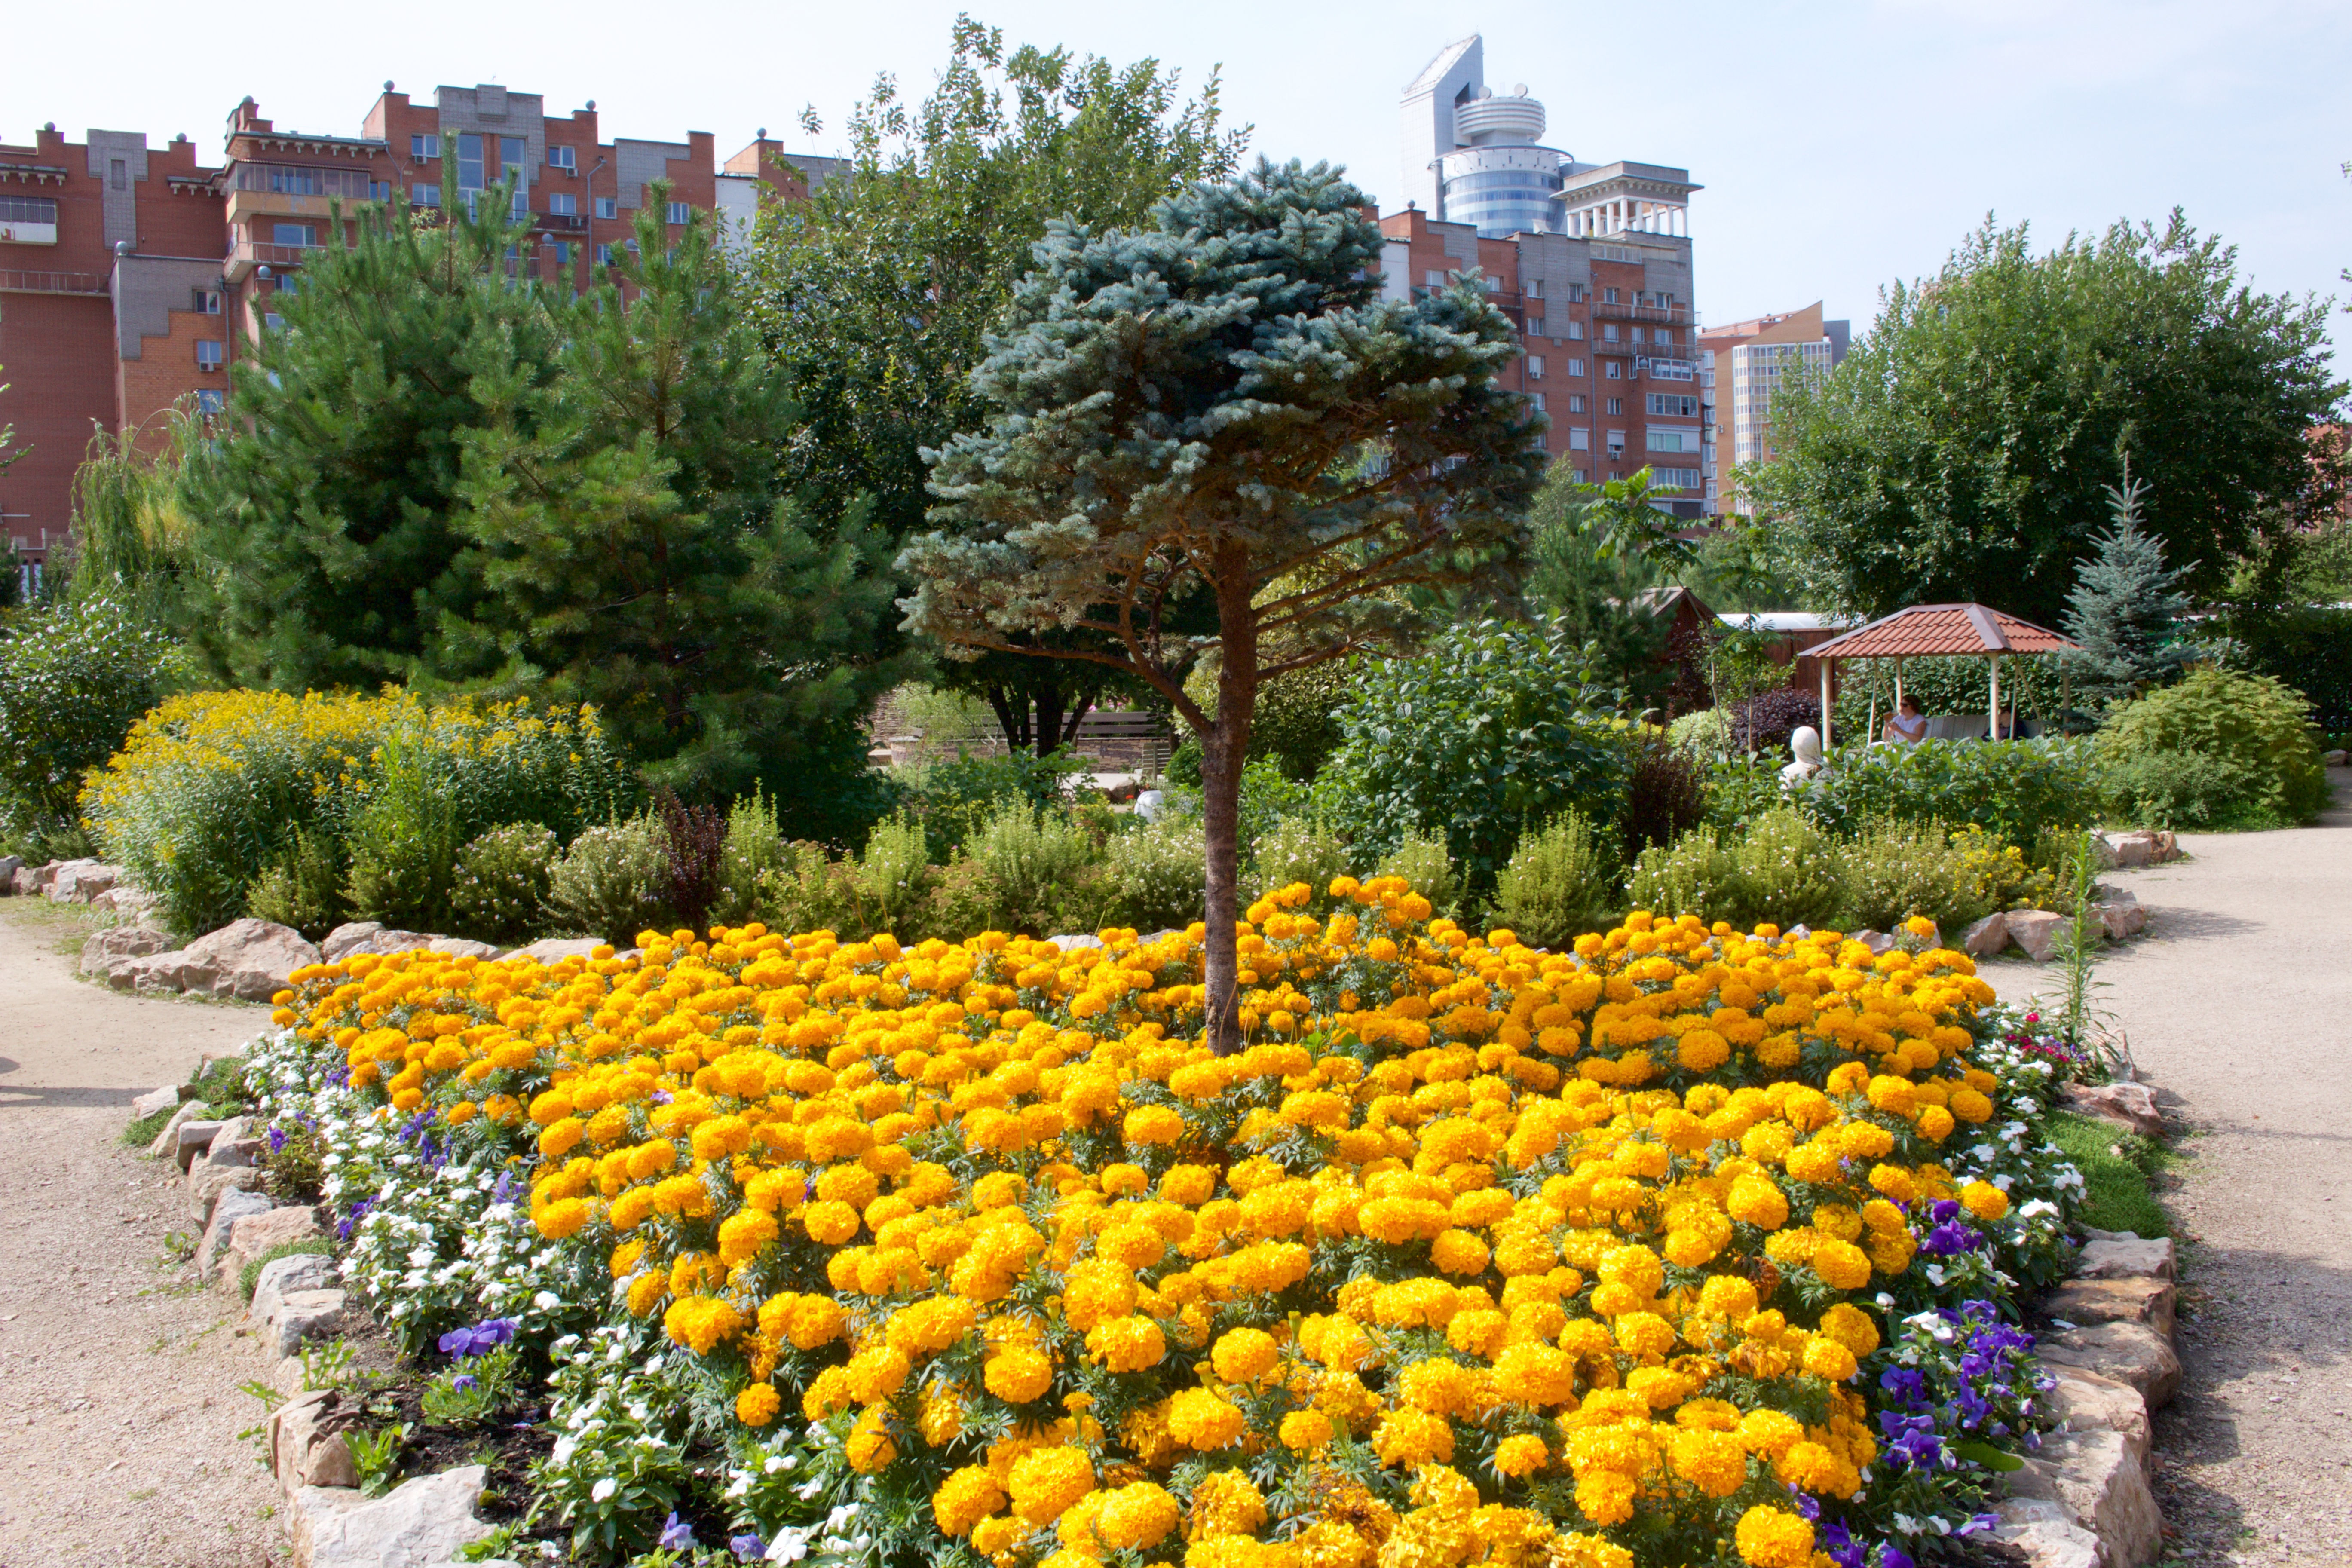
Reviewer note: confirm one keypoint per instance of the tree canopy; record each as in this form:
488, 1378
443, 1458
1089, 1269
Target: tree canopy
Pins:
876, 295
2125, 609
1963, 449
1225, 406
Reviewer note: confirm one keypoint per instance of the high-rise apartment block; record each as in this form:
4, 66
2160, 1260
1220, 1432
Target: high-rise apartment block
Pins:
132, 277
1745, 363
1591, 261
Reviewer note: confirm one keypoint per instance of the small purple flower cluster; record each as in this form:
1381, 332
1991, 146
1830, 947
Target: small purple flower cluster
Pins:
1950, 1236
479, 1339
1985, 1392
344, 1228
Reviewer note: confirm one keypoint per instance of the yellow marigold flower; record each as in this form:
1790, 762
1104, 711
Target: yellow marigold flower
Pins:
1046, 1482
869, 1448
1606, 1497
1303, 1431
1984, 1200
1136, 1517
1757, 1202
1459, 1252
1127, 1344
1243, 1356
1407, 1439
1227, 1502
964, 1498
1018, 1374
1153, 1124
757, 1405
1713, 1462
1842, 1265
1768, 1538
1520, 1456
1200, 1419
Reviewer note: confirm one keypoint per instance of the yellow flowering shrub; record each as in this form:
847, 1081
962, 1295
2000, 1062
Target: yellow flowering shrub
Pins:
1473, 1255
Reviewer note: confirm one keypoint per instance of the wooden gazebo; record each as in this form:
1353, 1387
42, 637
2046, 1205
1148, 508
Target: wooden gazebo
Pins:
1939, 631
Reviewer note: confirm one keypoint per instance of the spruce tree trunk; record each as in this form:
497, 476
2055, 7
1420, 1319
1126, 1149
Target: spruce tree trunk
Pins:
1223, 748
1049, 717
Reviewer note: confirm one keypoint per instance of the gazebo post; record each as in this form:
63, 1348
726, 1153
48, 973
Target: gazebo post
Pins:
1898, 683
1826, 705
1992, 720
1872, 736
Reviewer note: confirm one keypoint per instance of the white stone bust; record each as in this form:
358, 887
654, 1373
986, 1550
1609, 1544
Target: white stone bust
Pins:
1805, 746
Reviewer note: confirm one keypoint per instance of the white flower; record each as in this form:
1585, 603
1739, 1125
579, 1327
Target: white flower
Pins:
789, 1546
603, 1490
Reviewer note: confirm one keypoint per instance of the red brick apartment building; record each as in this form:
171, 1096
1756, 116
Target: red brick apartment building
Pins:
1591, 261
131, 276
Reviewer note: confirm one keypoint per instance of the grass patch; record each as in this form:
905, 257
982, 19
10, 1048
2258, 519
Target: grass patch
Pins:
2116, 1169
141, 1132
250, 1275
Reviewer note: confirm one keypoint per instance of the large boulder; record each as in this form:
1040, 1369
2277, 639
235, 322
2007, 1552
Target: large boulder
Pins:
348, 938
2130, 1105
306, 1442
417, 1524
237, 1143
283, 1276
1987, 937
369, 936
300, 1316
2121, 1255
554, 949
2151, 1303
227, 1209
2100, 1478
257, 1235
9, 866
206, 1184
78, 881
2121, 914
2035, 931
167, 1142
248, 958
2130, 1353
196, 1139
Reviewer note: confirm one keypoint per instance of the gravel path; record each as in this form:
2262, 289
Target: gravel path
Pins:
119, 1402
2238, 1004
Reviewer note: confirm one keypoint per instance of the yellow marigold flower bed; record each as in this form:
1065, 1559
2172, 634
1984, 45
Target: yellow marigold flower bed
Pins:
1580, 1242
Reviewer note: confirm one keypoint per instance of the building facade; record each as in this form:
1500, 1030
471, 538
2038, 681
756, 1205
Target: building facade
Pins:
1591, 262
133, 277
1744, 363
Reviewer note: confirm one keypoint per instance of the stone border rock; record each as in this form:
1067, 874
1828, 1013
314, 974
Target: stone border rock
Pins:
425, 1521
249, 959
2084, 1499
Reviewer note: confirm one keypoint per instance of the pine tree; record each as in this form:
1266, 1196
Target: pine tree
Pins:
1223, 408
2125, 609
326, 511
627, 527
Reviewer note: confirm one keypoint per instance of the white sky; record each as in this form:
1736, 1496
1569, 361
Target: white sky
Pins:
1842, 142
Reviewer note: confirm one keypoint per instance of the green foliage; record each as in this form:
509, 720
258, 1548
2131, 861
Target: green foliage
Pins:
2251, 724
144, 1130
1896, 869
2007, 877
2185, 790
611, 882
504, 880
876, 295
471, 1391
1269, 797
755, 849
1151, 876
954, 799
889, 884
404, 842
305, 889
2125, 610
376, 1455
2014, 789
1787, 872
1588, 588
1704, 734
2034, 689
132, 536
2118, 1194
636, 547
1423, 862
804, 891
1299, 850
1035, 861
1559, 883
73, 680
1695, 875
1297, 721
2307, 647
1495, 726
1954, 452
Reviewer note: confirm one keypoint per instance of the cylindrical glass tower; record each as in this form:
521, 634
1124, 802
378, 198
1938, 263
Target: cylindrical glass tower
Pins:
1500, 181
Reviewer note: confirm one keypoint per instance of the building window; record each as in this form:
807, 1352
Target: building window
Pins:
562, 158
1673, 441
1674, 404
285, 283
1616, 443
1576, 293
1576, 367
564, 204
1616, 368
1608, 296
211, 400
272, 322
470, 166
1580, 477
1433, 279
205, 301
1536, 398
1576, 403
1535, 289
1675, 478
379, 190
1580, 440
603, 256
210, 352
1616, 406
521, 203
1608, 331
563, 253
1637, 334
1535, 367
1576, 332
680, 213
422, 147
297, 235
425, 195
608, 207
511, 154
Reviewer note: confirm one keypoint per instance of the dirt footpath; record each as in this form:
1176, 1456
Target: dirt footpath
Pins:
2238, 1004
119, 1402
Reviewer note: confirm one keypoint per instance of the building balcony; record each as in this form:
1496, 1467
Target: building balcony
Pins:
14, 281
247, 254
558, 222
1674, 314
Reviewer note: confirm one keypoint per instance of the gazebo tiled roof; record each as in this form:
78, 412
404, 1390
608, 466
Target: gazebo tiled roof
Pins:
1931, 630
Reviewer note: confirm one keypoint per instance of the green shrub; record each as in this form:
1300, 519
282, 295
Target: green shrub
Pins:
1788, 872
806, 889
1704, 734
1295, 723
2009, 877
889, 883
2181, 789
211, 787
1559, 883
964, 902
1493, 727
755, 848
1665, 795
2251, 724
1299, 850
1695, 875
953, 800
304, 889
73, 680
503, 884
1896, 869
2015, 789
1153, 877
1036, 860
403, 844
1427, 868
609, 882
1268, 797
